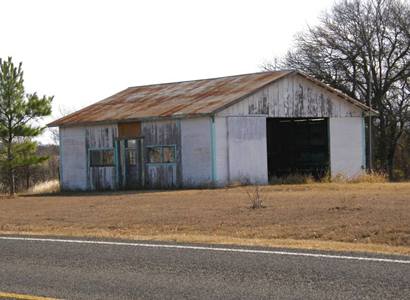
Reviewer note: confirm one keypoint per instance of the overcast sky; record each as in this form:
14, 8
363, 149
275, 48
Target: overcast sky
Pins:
84, 51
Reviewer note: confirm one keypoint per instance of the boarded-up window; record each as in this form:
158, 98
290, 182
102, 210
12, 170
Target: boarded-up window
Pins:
168, 154
161, 154
101, 158
154, 155
127, 130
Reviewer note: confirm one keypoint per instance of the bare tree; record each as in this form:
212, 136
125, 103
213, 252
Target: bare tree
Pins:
363, 49
54, 131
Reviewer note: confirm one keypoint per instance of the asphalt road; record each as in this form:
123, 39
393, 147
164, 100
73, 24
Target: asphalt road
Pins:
75, 270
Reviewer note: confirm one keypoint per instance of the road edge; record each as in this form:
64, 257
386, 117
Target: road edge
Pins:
308, 245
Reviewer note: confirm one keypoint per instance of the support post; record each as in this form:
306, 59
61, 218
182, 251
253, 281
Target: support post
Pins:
213, 151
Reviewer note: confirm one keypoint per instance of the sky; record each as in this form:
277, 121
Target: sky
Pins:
84, 51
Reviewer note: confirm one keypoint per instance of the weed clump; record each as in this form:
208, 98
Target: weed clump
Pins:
253, 192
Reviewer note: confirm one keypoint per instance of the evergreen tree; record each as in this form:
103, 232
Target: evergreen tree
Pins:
19, 113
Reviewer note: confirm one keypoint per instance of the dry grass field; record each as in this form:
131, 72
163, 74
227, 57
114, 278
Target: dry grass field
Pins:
342, 216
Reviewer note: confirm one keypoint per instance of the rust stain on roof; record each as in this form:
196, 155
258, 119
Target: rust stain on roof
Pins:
181, 99
187, 98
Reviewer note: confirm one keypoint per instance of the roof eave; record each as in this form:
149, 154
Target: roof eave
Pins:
130, 120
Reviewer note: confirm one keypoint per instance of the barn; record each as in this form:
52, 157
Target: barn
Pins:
213, 132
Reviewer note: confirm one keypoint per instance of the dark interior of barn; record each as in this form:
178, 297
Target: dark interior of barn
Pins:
297, 146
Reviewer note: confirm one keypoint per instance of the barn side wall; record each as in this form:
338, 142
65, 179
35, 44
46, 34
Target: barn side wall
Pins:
347, 146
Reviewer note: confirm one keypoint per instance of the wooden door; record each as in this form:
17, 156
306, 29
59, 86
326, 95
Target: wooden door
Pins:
131, 163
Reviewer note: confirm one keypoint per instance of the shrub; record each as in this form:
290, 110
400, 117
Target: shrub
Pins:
51, 186
370, 177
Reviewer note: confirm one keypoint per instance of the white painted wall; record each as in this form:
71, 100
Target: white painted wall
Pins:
240, 150
73, 165
347, 153
222, 155
196, 152
247, 149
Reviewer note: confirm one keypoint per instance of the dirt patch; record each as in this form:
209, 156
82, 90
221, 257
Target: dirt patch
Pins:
371, 217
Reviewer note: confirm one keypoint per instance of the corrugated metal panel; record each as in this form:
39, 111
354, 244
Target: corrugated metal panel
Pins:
181, 99
189, 98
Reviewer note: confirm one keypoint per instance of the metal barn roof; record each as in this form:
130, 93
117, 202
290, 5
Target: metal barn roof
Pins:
178, 99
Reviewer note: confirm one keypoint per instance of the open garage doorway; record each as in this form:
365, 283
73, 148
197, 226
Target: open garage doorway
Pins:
297, 146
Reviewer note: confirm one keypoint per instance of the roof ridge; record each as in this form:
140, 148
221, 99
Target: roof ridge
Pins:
210, 78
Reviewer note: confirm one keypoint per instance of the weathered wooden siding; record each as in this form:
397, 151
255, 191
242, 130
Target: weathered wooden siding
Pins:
293, 97
196, 152
73, 156
100, 137
162, 133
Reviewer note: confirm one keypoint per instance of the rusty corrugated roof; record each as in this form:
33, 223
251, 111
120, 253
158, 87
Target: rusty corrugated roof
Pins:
180, 99
187, 98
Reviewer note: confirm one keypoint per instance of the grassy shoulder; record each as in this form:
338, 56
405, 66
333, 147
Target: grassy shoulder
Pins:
371, 217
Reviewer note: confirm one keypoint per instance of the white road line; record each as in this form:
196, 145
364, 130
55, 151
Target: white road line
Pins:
238, 250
